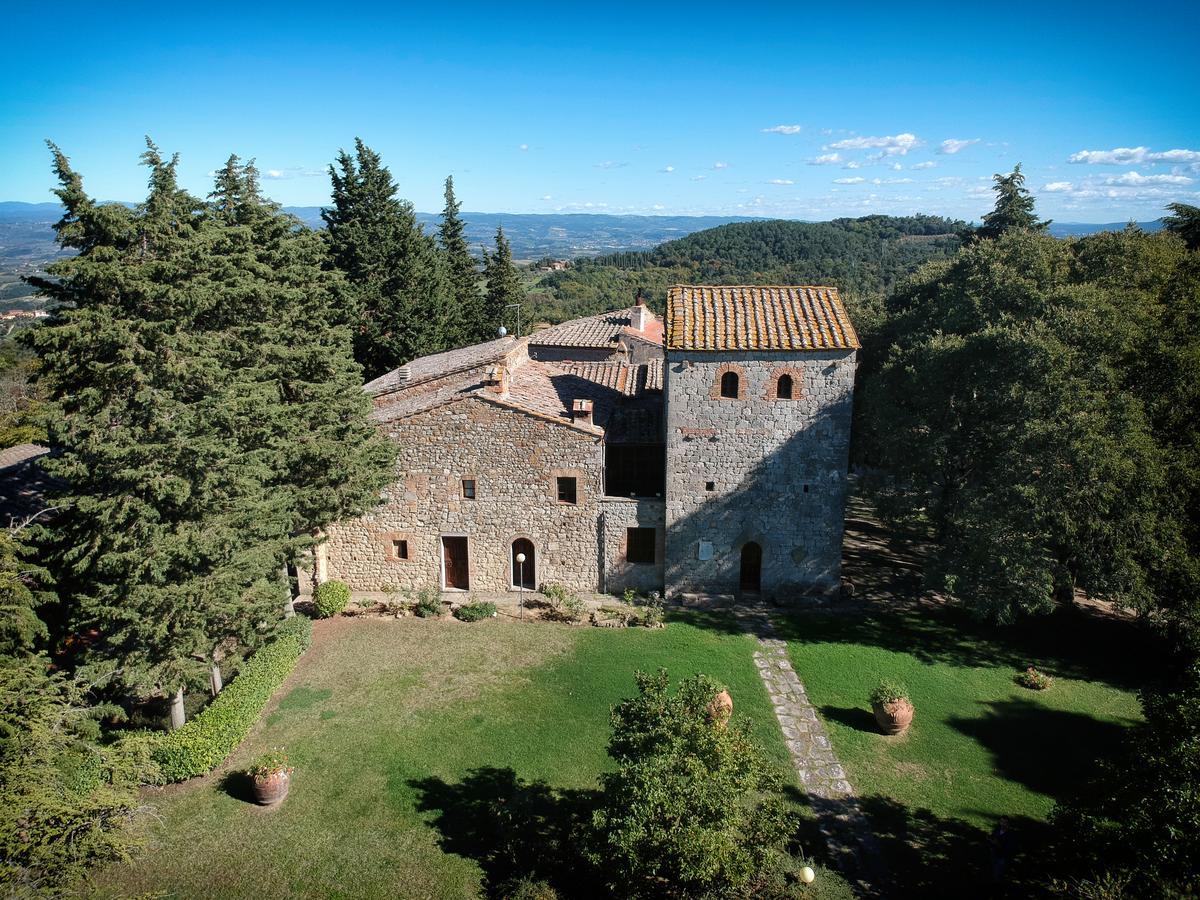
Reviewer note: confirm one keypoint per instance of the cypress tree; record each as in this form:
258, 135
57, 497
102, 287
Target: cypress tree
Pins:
394, 294
208, 415
503, 283
1014, 207
466, 322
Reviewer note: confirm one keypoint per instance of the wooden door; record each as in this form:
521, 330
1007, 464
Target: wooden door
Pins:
456, 563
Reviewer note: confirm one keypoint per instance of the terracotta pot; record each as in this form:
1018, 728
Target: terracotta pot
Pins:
720, 708
271, 790
894, 717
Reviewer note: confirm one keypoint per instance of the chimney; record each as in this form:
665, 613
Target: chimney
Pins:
497, 379
640, 313
403, 375
581, 412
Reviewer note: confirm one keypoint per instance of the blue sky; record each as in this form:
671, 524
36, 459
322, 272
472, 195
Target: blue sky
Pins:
799, 110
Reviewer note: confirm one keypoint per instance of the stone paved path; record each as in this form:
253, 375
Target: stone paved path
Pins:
839, 816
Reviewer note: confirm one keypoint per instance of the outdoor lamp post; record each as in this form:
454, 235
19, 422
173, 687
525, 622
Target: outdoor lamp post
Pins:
521, 586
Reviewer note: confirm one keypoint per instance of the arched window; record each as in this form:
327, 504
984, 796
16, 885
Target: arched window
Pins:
524, 571
783, 387
729, 385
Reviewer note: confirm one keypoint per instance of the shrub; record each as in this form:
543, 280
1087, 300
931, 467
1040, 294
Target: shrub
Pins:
269, 764
1033, 679
429, 603
475, 610
204, 742
693, 808
630, 596
528, 889
888, 691
556, 594
330, 598
573, 608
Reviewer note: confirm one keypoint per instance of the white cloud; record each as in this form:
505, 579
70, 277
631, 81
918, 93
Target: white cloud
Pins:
523, 147
1136, 179
953, 145
928, 164
1124, 156
782, 129
720, 165
891, 181
658, 206
547, 197
609, 164
896, 167
667, 169
699, 177
852, 165
889, 145
1058, 187
781, 181
826, 159
293, 172
856, 180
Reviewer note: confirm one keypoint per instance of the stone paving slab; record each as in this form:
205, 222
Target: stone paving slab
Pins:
839, 816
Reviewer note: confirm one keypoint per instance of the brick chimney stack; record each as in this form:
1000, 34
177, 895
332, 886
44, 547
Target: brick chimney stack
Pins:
581, 412
640, 313
498, 379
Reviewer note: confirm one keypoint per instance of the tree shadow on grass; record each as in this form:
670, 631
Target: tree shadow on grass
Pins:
927, 855
1050, 751
513, 828
852, 717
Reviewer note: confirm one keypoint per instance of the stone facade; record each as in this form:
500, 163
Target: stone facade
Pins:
514, 459
754, 489
756, 468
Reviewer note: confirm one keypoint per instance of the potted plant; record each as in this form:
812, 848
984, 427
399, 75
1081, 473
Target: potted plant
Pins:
892, 706
270, 777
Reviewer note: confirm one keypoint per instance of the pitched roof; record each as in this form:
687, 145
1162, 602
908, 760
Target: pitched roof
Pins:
602, 330
23, 484
441, 364
750, 317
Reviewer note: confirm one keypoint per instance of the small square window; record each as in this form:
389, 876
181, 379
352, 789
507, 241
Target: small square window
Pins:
710, 485
468, 488
568, 491
639, 545
399, 549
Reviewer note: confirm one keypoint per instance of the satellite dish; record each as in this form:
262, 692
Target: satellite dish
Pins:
501, 331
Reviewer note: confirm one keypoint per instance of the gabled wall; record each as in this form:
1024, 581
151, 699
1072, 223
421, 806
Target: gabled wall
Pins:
514, 458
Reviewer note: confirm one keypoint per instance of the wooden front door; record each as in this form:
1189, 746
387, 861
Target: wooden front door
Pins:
455, 563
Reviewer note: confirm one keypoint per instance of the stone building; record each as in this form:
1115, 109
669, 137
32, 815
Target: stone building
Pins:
614, 452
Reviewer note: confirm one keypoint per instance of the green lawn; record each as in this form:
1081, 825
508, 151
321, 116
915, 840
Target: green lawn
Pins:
399, 732
980, 746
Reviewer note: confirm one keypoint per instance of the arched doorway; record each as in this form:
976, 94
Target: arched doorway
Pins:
524, 575
751, 577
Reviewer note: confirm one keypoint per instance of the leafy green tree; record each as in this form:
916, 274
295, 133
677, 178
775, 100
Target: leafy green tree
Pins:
466, 323
1010, 413
1013, 209
64, 797
503, 283
1142, 806
692, 808
1185, 222
394, 294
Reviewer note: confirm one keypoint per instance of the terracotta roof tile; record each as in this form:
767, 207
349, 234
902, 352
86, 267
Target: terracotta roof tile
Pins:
750, 317
441, 364
603, 330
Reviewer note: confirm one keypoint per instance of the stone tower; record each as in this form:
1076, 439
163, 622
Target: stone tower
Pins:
758, 384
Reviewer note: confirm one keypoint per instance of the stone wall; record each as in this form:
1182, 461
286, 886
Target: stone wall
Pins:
776, 469
514, 459
618, 515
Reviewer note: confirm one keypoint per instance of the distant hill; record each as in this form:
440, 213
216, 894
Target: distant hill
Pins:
1080, 229
861, 257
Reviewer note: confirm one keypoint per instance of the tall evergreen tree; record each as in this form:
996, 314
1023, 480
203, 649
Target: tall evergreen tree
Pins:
394, 294
208, 413
1013, 209
1185, 222
503, 284
466, 321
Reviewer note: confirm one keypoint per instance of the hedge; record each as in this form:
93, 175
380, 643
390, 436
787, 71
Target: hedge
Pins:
206, 740
330, 598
